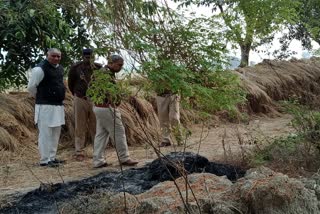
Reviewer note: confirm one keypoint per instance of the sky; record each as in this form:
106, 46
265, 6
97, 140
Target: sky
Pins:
295, 46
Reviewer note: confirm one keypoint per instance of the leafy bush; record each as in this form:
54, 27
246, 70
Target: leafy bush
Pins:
104, 87
281, 149
301, 149
181, 55
208, 91
306, 122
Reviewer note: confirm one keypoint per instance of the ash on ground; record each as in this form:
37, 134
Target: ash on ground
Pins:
133, 181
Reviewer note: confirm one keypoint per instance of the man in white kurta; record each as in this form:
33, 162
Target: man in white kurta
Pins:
49, 110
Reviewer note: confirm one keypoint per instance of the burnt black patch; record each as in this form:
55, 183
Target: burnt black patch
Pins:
134, 181
171, 166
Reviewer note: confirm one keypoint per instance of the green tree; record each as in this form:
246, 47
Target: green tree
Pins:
29, 27
249, 23
307, 26
171, 51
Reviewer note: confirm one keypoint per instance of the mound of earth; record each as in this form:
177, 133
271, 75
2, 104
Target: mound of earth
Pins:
260, 191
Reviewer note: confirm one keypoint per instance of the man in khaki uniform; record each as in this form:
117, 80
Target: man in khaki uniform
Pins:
109, 123
78, 80
169, 117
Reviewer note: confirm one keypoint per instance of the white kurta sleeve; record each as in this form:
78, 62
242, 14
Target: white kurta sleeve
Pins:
37, 76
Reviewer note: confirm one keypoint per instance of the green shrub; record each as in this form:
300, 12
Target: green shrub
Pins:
301, 149
281, 149
306, 122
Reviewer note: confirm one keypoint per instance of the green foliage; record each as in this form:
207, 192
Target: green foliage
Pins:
316, 52
306, 122
302, 147
281, 149
249, 24
208, 91
307, 25
174, 53
103, 86
168, 76
29, 27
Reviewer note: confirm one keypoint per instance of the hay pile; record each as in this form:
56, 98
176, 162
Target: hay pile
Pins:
265, 83
17, 129
16, 120
274, 80
140, 121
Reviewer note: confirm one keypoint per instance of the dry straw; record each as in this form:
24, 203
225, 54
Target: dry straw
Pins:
276, 80
265, 83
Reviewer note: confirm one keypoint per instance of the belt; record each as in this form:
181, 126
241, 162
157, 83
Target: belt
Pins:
165, 95
83, 97
103, 105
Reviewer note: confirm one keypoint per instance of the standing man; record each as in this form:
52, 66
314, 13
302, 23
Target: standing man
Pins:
169, 117
46, 85
109, 124
78, 79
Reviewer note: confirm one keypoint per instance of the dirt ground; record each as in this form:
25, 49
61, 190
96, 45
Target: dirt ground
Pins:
221, 142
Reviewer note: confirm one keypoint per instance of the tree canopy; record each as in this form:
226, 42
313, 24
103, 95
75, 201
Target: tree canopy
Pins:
28, 28
186, 54
249, 24
173, 52
307, 25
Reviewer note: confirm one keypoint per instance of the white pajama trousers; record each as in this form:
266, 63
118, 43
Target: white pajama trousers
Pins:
109, 124
48, 141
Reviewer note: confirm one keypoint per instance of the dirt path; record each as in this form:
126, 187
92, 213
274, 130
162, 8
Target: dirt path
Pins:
24, 175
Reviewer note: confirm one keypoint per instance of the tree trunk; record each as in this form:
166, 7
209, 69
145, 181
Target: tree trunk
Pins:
245, 50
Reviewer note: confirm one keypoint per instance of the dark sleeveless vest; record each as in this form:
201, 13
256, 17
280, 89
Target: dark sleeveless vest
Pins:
51, 90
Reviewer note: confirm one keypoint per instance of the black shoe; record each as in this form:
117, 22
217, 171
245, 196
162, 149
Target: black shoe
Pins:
50, 164
165, 144
130, 162
101, 166
53, 164
58, 161
43, 164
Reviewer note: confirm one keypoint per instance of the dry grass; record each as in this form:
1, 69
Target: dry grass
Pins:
17, 122
275, 80
265, 83
7, 142
138, 111
18, 132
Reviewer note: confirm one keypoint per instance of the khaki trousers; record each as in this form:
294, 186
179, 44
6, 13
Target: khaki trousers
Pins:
169, 116
109, 124
85, 121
